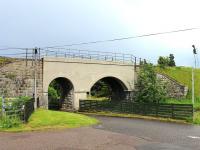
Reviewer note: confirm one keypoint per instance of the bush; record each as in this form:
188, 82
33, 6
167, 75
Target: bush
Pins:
150, 89
9, 122
16, 103
53, 98
52, 93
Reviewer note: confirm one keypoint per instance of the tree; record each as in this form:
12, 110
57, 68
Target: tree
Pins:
163, 61
150, 89
171, 60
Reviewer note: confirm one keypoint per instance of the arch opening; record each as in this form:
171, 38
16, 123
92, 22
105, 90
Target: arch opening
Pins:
108, 88
61, 94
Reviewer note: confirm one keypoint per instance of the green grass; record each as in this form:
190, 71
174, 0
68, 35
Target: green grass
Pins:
43, 119
184, 101
97, 98
184, 76
197, 118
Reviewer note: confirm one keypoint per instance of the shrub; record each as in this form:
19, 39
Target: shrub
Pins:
9, 122
150, 89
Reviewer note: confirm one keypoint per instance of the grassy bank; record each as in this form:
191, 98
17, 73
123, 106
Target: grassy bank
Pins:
46, 119
184, 76
184, 101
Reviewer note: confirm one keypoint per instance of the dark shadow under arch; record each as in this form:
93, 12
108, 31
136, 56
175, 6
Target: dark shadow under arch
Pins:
115, 88
61, 94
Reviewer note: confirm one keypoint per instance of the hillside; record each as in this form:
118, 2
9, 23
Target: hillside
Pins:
184, 76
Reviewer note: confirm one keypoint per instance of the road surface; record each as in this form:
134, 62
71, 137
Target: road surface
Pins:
113, 134
172, 135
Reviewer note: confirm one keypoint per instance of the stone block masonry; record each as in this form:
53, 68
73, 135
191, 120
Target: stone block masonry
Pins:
174, 88
17, 78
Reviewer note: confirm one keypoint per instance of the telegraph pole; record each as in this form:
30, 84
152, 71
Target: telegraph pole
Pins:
35, 76
193, 83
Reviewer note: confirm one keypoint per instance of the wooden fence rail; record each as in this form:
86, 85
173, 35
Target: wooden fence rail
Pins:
175, 111
23, 110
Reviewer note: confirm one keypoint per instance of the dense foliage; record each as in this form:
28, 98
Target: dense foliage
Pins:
54, 93
171, 60
101, 89
150, 89
166, 61
9, 122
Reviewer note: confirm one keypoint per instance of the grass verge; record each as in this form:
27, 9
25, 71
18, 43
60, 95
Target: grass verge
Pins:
43, 119
197, 118
184, 101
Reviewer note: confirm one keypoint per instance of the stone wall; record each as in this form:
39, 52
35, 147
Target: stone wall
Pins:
174, 88
17, 78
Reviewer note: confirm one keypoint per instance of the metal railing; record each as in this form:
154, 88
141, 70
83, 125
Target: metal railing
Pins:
93, 55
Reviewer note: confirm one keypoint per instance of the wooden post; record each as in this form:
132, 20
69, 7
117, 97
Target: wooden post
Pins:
3, 106
172, 109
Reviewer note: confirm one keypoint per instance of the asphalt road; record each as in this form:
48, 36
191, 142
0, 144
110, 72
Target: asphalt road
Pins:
161, 135
113, 134
85, 138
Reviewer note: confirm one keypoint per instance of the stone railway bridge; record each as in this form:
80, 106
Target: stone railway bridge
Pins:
76, 75
79, 75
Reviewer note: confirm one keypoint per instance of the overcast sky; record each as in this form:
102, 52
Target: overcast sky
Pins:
41, 23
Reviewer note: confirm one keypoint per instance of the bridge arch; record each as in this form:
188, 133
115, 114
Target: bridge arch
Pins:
116, 87
61, 94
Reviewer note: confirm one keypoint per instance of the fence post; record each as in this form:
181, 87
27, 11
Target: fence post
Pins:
172, 109
157, 105
23, 112
3, 106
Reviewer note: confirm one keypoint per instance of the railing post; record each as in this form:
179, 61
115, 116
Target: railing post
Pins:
32, 56
26, 56
140, 61
135, 62
79, 54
